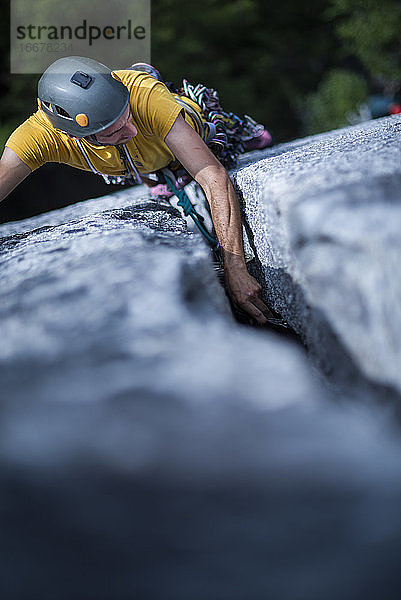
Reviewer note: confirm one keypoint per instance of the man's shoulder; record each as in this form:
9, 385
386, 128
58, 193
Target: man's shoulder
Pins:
153, 106
36, 141
37, 125
137, 81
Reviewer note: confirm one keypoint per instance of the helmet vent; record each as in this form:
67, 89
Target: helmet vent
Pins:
62, 112
57, 109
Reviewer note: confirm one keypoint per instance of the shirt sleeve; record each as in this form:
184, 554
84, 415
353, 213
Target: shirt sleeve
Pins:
160, 110
33, 145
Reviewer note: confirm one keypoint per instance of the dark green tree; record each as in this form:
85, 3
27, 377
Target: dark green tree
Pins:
368, 53
261, 56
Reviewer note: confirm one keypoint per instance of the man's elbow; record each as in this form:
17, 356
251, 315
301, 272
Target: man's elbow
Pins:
12, 171
212, 175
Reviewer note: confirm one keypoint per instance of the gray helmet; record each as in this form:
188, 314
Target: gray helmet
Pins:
81, 96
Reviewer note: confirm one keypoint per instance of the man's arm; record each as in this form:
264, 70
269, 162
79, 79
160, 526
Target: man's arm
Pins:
200, 162
12, 171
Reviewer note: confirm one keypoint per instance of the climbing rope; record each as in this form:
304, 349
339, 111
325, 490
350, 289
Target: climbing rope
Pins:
188, 208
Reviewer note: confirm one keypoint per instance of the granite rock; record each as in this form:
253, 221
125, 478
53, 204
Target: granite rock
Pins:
325, 215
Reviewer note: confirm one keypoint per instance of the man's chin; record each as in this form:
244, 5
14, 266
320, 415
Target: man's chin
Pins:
125, 140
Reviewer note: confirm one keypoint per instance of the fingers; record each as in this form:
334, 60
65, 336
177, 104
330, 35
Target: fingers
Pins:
245, 293
258, 302
255, 312
254, 307
254, 301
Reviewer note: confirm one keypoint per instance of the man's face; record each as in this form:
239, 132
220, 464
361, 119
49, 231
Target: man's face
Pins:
121, 132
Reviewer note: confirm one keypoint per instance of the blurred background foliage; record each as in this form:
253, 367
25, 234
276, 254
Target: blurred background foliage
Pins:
298, 67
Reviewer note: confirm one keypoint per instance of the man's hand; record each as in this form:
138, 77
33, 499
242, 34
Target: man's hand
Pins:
244, 290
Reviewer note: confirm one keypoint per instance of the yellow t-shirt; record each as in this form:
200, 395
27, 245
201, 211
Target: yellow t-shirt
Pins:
154, 111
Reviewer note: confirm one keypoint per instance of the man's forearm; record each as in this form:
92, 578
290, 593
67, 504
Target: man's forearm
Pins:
226, 214
197, 159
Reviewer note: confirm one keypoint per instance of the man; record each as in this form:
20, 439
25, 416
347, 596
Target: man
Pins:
125, 123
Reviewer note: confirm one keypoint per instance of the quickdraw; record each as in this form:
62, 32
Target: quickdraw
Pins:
230, 132
132, 175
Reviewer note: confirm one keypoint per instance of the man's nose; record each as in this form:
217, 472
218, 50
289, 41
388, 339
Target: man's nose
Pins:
133, 129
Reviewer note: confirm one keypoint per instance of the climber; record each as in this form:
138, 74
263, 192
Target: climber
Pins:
123, 124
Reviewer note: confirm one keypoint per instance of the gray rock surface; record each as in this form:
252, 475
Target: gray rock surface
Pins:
325, 215
152, 448
123, 297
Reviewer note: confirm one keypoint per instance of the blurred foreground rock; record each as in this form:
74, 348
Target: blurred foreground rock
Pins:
151, 448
